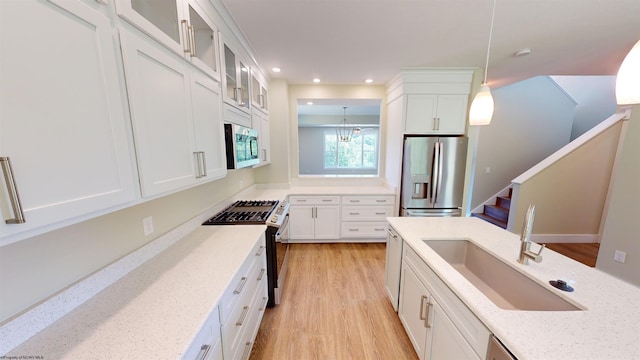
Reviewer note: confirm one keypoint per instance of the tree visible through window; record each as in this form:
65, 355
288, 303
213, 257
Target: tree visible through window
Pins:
359, 153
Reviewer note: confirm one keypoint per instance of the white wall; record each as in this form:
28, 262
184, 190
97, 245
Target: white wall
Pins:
532, 119
595, 98
620, 231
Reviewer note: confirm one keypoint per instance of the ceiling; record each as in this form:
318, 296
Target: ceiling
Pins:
347, 41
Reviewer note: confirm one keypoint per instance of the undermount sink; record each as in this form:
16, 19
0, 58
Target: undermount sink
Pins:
502, 284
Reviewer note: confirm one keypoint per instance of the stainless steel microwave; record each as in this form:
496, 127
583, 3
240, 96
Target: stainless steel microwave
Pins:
242, 146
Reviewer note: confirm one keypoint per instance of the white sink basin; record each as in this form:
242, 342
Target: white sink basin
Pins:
505, 286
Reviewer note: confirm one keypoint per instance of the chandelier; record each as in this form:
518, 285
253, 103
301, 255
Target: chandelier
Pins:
345, 132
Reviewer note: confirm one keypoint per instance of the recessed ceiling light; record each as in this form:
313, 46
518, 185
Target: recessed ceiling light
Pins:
369, 81
309, 102
316, 80
275, 69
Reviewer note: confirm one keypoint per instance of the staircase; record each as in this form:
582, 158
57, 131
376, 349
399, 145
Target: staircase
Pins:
497, 214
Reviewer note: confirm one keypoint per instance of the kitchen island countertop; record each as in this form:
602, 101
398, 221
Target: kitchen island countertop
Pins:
607, 328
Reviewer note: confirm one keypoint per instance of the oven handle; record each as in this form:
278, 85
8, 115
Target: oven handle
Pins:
284, 229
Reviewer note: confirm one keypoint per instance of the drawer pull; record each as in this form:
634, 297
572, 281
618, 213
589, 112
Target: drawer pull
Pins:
260, 251
243, 316
354, 213
381, 201
264, 303
247, 350
354, 201
238, 289
327, 200
204, 350
381, 213
301, 200
351, 229
261, 274
392, 234
16, 205
378, 229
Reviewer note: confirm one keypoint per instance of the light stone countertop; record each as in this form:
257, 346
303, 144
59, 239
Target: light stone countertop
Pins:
608, 328
155, 311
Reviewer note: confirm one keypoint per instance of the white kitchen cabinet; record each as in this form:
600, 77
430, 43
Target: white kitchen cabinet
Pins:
439, 325
393, 266
183, 26
364, 216
260, 122
63, 122
235, 81
176, 118
313, 218
259, 91
436, 114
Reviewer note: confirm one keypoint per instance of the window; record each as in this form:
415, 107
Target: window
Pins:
359, 153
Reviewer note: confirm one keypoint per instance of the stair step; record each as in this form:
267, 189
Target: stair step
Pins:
504, 201
491, 219
497, 212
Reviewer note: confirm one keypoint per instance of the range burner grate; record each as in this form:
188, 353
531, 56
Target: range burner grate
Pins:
248, 212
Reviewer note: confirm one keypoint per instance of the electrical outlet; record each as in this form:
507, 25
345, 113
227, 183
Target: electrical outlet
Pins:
147, 225
241, 183
487, 170
619, 256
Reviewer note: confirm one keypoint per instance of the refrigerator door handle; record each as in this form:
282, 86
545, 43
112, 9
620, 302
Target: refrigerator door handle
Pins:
440, 161
435, 168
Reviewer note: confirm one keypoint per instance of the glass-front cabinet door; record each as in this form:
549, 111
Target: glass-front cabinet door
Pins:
183, 26
236, 80
259, 92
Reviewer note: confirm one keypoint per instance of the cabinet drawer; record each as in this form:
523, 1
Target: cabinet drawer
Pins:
314, 200
471, 328
376, 230
366, 213
244, 281
207, 337
368, 200
242, 324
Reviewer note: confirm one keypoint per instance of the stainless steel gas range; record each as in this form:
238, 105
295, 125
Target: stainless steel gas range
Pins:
274, 214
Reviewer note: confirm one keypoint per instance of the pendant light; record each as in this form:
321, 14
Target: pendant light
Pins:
343, 131
628, 79
481, 110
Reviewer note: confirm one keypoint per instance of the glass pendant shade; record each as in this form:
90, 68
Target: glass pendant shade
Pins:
628, 80
481, 110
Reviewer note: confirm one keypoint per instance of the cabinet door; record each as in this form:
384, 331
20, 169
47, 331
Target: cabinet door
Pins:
161, 114
421, 114
209, 129
393, 266
412, 309
327, 222
63, 123
243, 92
159, 19
203, 46
301, 222
230, 78
451, 114
260, 122
446, 342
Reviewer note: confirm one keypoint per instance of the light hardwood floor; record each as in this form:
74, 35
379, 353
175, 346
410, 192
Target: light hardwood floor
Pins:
334, 307
584, 253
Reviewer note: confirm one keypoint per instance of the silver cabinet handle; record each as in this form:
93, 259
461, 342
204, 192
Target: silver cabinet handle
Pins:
185, 35
260, 250
327, 200
352, 229
247, 350
381, 201
264, 303
354, 201
424, 312
241, 285
261, 274
204, 350
392, 234
352, 213
14, 197
204, 164
243, 316
192, 37
380, 213
422, 306
198, 164
379, 229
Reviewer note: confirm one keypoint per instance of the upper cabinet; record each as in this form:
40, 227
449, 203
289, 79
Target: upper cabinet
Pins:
63, 125
183, 26
259, 92
436, 114
177, 126
235, 82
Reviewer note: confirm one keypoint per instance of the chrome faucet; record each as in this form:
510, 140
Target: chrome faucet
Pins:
525, 239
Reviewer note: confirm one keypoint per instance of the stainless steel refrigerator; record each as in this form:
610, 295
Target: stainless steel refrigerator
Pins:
433, 170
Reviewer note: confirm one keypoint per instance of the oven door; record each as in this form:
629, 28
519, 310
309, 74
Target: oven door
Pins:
282, 258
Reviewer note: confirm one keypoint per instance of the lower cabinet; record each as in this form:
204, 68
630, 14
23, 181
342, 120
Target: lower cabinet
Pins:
314, 218
365, 216
242, 306
393, 266
438, 324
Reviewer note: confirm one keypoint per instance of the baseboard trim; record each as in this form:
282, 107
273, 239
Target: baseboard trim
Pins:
565, 238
